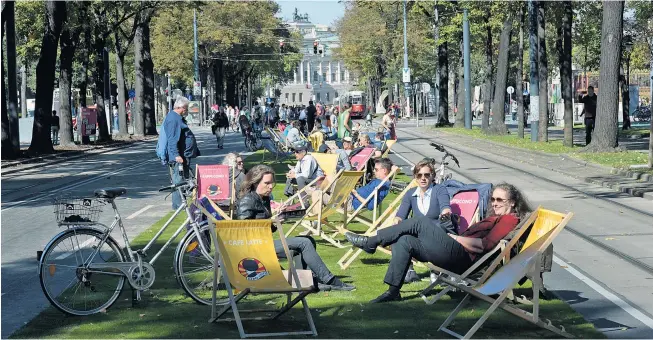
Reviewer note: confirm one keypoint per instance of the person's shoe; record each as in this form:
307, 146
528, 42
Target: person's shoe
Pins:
322, 287
359, 241
411, 276
336, 284
387, 296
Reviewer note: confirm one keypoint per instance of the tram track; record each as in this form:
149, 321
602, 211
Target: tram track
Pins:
630, 259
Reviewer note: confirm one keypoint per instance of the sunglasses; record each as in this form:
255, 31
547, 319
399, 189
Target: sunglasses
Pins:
421, 175
241, 162
498, 200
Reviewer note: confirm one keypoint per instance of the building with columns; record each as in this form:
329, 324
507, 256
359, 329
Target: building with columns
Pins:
318, 77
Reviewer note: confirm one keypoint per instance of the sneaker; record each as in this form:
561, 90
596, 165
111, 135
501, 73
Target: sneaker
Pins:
434, 277
411, 276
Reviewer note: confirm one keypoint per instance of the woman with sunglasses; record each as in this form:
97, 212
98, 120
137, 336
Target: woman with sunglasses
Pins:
428, 200
422, 238
254, 203
235, 161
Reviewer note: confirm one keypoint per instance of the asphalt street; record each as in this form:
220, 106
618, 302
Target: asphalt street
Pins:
28, 221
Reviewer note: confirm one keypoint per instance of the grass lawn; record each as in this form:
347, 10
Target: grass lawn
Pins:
165, 312
622, 159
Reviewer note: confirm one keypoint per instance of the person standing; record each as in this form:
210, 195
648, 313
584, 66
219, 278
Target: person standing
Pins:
334, 123
177, 146
589, 110
388, 123
310, 115
115, 118
344, 122
54, 127
222, 124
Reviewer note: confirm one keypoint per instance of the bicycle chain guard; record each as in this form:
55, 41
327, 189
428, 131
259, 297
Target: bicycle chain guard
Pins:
140, 280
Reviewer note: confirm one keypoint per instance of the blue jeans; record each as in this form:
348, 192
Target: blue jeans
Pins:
177, 178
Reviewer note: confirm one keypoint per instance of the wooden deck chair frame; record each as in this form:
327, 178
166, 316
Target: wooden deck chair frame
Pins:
388, 144
281, 147
232, 197
295, 285
326, 211
384, 220
526, 263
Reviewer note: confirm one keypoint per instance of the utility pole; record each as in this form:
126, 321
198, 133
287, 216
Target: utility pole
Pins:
436, 78
534, 107
196, 64
467, 72
406, 69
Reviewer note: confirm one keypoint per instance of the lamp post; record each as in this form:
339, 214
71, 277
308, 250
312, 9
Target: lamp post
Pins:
406, 83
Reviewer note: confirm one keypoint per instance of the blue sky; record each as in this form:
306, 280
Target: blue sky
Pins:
319, 11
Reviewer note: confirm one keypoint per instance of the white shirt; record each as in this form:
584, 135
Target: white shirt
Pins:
282, 114
423, 203
302, 115
307, 167
293, 135
334, 121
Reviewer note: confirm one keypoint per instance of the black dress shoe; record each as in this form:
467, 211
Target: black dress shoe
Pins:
359, 241
387, 296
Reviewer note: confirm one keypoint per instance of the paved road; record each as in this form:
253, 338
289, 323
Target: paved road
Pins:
28, 222
610, 292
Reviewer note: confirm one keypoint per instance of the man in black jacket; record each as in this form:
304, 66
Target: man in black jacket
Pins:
310, 116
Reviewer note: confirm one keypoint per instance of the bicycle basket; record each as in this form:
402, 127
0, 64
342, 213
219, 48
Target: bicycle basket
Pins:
77, 210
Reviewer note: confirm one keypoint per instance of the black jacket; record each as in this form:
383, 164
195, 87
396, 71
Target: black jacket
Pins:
310, 111
253, 207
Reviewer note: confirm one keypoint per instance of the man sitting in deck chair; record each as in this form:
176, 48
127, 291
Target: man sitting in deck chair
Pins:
305, 171
424, 240
254, 203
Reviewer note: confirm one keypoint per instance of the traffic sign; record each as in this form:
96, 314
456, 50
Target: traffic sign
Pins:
426, 87
197, 86
510, 90
406, 75
132, 93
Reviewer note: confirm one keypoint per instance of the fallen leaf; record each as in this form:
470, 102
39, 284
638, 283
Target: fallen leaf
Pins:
610, 238
270, 303
141, 315
158, 315
564, 267
396, 332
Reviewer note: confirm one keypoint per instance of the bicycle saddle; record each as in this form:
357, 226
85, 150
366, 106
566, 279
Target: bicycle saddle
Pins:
110, 192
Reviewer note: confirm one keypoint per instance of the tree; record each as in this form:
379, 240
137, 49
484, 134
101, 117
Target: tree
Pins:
498, 111
12, 112
7, 148
55, 16
144, 70
489, 52
563, 45
605, 133
543, 133
519, 79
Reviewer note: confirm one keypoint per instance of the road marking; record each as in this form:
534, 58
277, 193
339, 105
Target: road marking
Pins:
84, 244
628, 308
139, 212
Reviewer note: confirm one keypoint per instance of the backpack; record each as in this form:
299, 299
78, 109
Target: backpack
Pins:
162, 144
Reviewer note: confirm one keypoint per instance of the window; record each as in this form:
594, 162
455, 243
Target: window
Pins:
324, 78
305, 76
315, 75
318, 96
342, 76
301, 97
287, 96
327, 96
336, 94
333, 77
294, 97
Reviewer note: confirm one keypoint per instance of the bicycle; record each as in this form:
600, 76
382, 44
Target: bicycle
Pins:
642, 114
252, 142
94, 267
441, 175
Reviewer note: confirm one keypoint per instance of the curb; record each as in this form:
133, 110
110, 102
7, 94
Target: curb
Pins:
42, 161
632, 174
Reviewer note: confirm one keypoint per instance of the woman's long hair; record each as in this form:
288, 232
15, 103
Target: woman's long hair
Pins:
253, 178
522, 207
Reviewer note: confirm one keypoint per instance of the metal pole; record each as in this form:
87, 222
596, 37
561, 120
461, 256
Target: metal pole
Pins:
407, 84
534, 88
169, 87
107, 90
467, 72
436, 79
196, 64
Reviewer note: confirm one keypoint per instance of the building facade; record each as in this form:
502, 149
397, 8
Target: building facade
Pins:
318, 77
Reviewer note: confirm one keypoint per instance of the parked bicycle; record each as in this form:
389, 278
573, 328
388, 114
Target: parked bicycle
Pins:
252, 141
642, 114
441, 174
83, 269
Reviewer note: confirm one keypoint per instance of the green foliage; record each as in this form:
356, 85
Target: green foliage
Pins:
586, 35
30, 23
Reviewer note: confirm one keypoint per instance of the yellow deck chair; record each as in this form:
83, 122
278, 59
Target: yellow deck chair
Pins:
249, 264
539, 222
385, 220
388, 144
526, 263
342, 187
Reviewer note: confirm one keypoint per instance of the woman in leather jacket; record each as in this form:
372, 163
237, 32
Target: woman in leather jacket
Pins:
254, 203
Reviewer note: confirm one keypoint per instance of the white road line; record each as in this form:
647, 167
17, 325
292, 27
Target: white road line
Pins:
628, 308
139, 212
84, 244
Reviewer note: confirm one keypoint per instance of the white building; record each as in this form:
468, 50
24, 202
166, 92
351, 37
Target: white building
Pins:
318, 77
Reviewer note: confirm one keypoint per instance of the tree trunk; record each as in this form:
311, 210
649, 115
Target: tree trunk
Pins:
7, 148
487, 98
138, 115
65, 80
83, 85
519, 80
498, 111
10, 23
45, 72
23, 91
120, 82
148, 90
231, 91
451, 94
564, 54
98, 47
443, 96
460, 110
625, 95
604, 137
543, 133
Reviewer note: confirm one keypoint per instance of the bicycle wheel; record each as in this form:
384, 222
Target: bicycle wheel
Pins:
194, 270
66, 282
257, 143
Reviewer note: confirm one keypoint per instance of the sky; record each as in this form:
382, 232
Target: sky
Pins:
319, 11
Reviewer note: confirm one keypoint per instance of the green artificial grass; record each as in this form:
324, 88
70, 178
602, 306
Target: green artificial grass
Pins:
165, 312
623, 159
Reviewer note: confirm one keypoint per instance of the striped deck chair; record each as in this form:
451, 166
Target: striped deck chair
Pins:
249, 264
527, 263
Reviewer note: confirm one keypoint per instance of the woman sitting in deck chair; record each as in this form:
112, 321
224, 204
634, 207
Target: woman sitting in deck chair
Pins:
254, 203
427, 200
423, 239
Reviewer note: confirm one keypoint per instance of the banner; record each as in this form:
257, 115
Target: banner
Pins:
213, 182
89, 120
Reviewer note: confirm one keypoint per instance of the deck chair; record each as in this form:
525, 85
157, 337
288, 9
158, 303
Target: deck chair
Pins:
540, 221
465, 205
388, 144
526, 263
385, 220
217, 183
249, 264
359, 160
342, 187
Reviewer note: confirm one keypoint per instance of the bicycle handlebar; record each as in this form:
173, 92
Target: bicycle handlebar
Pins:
446, 153
173, 187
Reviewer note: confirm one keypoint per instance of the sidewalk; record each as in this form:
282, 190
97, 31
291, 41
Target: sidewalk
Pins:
629, 182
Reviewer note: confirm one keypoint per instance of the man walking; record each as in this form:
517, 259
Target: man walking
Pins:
54, 127
310, 115
177, 146
589, 110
